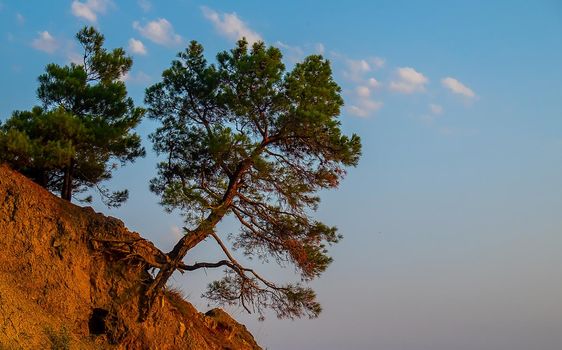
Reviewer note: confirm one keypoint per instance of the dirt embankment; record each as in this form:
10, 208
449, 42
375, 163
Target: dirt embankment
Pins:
70, 278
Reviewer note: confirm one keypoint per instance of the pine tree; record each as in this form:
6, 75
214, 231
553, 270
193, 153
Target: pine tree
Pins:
84, 126
244, 138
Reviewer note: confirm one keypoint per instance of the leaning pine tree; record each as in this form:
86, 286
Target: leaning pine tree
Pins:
244, 138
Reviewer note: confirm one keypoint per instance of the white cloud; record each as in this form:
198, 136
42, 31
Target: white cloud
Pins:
457, 87
296, 54
230, 25
20, 18
292, 53
435, 109
145, 5
89, 9
358, 66
356, 69
45, 42
359, 71
364, 105
408, 81
374, 83
159, 31
377, 62
75, 57
363, 91
136, 46
138, 78
81, 10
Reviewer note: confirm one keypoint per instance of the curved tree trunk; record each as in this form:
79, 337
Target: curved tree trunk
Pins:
175, 257
192, 238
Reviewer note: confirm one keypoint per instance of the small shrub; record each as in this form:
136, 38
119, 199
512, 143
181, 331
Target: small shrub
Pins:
59, 340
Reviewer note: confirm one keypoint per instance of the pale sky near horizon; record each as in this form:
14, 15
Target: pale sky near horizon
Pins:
452, 221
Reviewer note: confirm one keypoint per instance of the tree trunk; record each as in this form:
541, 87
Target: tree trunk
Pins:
40, 176
190, 240
176, 256
66, 191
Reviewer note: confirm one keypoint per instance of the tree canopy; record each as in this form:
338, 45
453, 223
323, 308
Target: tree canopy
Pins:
245, 138
84, 126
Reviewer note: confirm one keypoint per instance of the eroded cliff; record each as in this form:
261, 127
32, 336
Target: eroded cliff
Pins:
72, 278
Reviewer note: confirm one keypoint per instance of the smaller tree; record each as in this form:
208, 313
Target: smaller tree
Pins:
245, 138
84, 125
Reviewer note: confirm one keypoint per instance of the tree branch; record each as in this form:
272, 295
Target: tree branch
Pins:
205, 265
241, 269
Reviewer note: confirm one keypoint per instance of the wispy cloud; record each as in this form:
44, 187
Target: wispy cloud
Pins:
20, 18
363, 91
359, 73
45, 42
136, 78
230, 25
457, 87
319, 48
74, 56
363, 104
145, 5
365, 107
292, 53
357, 69
435, 109
159, 31
136, 46
378, 62
408, 81
373, 83
297, 53
89, 9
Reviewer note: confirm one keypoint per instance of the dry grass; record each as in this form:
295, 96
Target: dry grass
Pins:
177, 299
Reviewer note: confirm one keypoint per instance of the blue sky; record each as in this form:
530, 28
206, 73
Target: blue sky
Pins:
452, 220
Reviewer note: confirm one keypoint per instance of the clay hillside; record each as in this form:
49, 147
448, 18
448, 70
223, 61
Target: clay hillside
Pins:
69, 279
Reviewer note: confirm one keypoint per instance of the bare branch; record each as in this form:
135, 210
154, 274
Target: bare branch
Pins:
240, 267
205, 265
